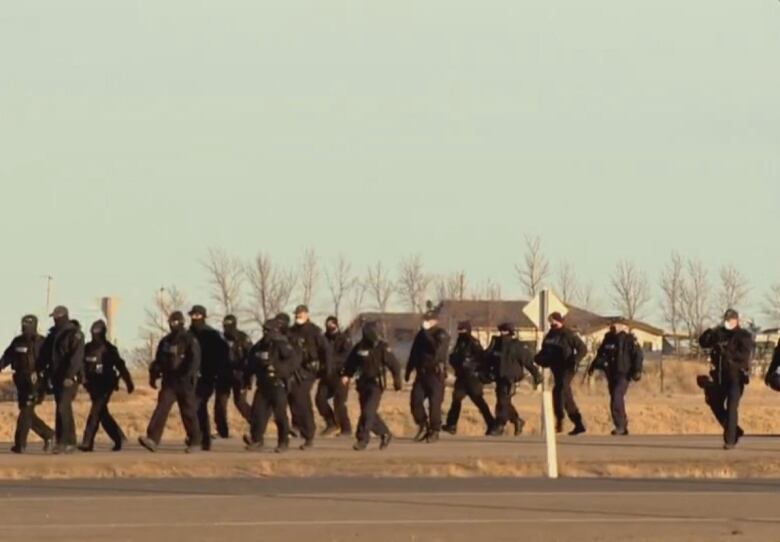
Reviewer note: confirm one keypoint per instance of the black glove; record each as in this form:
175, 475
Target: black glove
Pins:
398, 385
636, 377
130, 386
153, 381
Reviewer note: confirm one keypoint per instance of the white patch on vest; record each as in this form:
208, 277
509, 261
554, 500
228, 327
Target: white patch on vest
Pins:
363, 353
21, 349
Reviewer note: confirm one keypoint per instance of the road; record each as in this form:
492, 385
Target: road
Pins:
381, 510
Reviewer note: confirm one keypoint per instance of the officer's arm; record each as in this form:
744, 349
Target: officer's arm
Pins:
743, 351
5, 361
286, 349
527, 359
709, 338
442, 346
76, 365
324, 352
775, 363
124, 374
637, 359
351, 365
394, 366
223, 352
411, 363
580, 349
195, 356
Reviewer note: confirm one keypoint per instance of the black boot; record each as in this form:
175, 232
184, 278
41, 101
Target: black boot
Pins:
422, 433
451, 429
433, 437
579, 427
386, 440
519, 425
148, 443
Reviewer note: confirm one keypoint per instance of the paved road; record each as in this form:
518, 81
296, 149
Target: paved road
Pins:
380, 510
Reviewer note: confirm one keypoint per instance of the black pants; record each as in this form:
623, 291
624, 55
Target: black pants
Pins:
175, 391
430, 387
100, 416
64, 422
330, 387
203, 392
370, 395
471, 387
723, 398
301, 405
563, 397
618, 387
505, 410
28, 419
224, 388
270, 398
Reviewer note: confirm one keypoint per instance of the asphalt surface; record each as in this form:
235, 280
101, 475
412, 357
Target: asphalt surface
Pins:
388, 509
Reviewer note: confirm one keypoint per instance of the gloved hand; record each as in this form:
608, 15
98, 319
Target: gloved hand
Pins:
153, 382
398, 385
636, 377
130, 386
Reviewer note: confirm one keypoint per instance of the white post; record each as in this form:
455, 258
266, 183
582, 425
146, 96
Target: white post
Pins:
548, 416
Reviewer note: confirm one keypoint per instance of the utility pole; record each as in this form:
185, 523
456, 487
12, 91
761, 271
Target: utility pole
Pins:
161, 304
49, 288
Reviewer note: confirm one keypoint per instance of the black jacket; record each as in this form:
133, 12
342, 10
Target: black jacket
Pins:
340, 347
178, 358
62, 354
371, 361
429, 353
104, 366
619, 355
315, 350
562, 350
272, 359
22, 355
214, 351
730, 351
510, 358
468, 357
239, 345
775, 362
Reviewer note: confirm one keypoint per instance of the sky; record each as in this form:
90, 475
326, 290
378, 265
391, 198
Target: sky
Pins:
138, 134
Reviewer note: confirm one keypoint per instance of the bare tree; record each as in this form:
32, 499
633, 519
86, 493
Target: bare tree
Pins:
310, 275
567, 282
226, 278
357, 298
271, 287
453, 287
631, 290
771, 305
733, 288
695, 298
535, 269
380, 286
489, 290
413, 283
672, 284
341, 281
588, 298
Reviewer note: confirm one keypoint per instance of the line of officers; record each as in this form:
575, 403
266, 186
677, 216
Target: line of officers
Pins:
193, 364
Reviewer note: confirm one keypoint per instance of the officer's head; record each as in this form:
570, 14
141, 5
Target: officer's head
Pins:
506, 329
30, 325
176, 322
60, 315
371, 332
731, 319
284, 320
464, 328
301, 314
230, 324
429, 320
331, 325
99, 331
556, 320
272, 326
621, 326
198, 315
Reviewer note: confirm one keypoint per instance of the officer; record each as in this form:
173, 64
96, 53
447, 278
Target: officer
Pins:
177, 361
468, 361
330, 384
370, 360
562, 351
428, 360
62, 363
315, 357
620, 357
214, 364
273, 361
731, 351
772, 378
21, 355
510, 359
103, 367
232, 381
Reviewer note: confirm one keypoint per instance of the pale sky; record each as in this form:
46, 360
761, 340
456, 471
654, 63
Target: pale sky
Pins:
137, 134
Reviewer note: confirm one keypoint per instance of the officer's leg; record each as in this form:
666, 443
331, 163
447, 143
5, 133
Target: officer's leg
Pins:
39, 427
374, 422
458, 394
23, 423
618, 388
503, 403
221, 400
93, 419
239, 400
340, 397
279, 405
436, 401
735, 389
321, 399
57, 415
65, 415
109, 424
188, 408
362, 430
558, 399
715, 397
204, 391
309, 425
475, 392
165, 400
417, 403
570, 405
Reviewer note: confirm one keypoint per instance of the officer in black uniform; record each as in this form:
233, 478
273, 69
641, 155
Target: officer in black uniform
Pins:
468, 361
428, 360
731, 352
214, 365
620, 357
232, 381
772, 377
103, 367
562, 351
370, 360
21, 355
330, 385
62, 363
177, 361
273, 361
510, 359
315, 356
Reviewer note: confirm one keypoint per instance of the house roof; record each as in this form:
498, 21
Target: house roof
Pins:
485, 314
